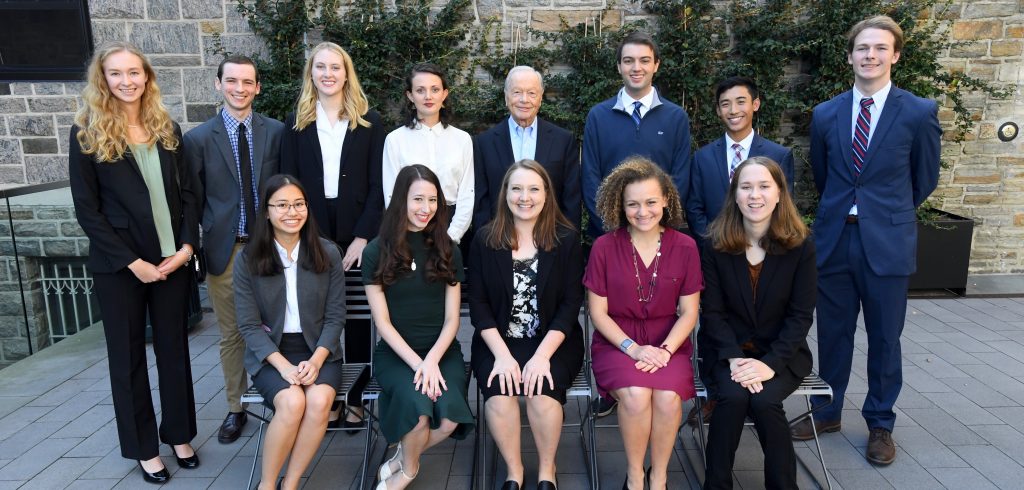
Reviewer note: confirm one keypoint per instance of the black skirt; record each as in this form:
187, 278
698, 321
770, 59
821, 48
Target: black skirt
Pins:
268, 380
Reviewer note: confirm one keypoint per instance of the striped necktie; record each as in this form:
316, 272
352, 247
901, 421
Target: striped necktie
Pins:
860, 134
737, 157
636, 112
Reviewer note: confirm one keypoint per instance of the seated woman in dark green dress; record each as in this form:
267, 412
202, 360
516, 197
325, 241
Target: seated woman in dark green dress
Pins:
412, 273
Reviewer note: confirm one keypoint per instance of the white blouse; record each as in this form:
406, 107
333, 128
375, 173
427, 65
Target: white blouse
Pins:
332, 140
448, 152
291, 309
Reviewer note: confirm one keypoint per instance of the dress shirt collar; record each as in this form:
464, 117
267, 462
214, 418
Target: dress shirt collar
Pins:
878, 98
513, 126
283, 253
744, 143
231, 124
438, 129
626, 100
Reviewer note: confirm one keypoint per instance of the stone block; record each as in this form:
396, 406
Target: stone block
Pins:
65, 120
203, 9
199, 86
10, 151
1015, 31
15, 349
165, 37
211, 27
59, 248
116, 9
970, 175
489, 9
234, 22
53, 104
587, 3
12, 174
12, 105
975, 199
31, 125
969, 50
41, 169
35, 229
5, 89
551, 20
176, 108
528, 3
977, 29
54, 213
83, 247
200, 112
169, 80
53, 88
71, 228
163, 9
987, 10
247, 44
12, 326
1018, 219
175, 60
984, 72
1006, 48
1014, 161
21, 88
107, 31
36, 146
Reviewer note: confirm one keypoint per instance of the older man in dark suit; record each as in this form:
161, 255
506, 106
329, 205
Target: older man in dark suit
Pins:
525, 136
231, 155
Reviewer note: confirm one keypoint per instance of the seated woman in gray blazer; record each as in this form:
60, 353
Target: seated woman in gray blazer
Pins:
290, 306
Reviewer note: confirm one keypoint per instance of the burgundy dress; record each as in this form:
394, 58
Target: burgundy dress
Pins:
610, 270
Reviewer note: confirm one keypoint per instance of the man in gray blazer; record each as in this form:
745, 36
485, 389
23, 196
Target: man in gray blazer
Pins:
231, 155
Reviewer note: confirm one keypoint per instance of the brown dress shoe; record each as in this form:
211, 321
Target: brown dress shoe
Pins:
881, 448
707, 407
802, 431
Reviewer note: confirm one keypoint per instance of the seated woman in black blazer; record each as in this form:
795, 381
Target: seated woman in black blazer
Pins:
526, 273
759, 295
290, 307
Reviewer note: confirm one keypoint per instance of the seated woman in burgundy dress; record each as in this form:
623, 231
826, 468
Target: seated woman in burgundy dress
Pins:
644, 282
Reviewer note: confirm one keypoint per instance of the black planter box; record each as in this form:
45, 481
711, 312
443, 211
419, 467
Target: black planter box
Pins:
943, 254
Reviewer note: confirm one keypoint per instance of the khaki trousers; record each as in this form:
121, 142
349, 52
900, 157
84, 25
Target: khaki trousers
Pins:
232, 346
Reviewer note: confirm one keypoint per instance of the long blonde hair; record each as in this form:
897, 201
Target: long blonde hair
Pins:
354, 105
103, 127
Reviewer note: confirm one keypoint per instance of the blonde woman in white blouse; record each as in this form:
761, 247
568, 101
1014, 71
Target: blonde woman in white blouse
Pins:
428, 139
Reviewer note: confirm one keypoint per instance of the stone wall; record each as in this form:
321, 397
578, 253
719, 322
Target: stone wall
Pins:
985, 178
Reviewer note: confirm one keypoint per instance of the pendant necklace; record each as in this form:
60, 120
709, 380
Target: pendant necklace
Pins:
412, 264
654, 275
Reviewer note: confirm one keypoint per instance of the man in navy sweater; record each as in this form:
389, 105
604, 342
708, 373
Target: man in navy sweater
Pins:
637, 121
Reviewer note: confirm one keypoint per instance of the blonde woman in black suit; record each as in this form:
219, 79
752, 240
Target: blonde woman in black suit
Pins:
290, 306
135, 201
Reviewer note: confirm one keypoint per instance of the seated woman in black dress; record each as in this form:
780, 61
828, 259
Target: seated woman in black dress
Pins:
760, 290
412, 272
526, 288
293, 346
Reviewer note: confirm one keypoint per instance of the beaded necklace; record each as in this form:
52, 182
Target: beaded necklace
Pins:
654, 275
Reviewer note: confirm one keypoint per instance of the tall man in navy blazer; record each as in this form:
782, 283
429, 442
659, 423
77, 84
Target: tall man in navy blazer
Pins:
875, 158
231, 155
737, 101
636, 121
525, 136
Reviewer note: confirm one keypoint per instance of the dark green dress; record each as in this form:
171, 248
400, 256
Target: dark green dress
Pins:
416, 308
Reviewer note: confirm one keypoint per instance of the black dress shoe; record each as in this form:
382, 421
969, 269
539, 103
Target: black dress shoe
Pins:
231, 428
510, 485
158, 477
188, 463
546, 485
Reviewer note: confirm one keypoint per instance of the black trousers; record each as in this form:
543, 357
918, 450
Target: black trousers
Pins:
124, 302
734, 403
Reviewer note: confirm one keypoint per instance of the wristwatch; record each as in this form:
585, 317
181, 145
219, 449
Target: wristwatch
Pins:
624, 346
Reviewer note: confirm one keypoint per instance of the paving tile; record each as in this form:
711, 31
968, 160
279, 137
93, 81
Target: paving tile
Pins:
99, 443
19, 419
935, 365
112, 466
961, 478
951, 354
80, 484
997, 467
72, 410
62, 393
965, 342
1008, 440
979, 393
944, 427
35, 460
25, 439
60, 474
962, 408
906, 472
10, 484
87, 423
863, 478
9, 404
923, 381
1001, 361
928, 451
1012, 416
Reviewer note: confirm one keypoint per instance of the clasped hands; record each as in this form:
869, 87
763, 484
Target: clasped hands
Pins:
530, 378
428, 380
147, 273
303, 374
750, 373
649, 358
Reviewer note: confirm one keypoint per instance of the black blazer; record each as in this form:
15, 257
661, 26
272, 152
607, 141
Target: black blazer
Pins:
557, 151
777, 322
559, 293
360, 194
112, 204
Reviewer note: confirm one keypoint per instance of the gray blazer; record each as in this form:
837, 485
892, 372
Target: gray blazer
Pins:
260, 307
208, 153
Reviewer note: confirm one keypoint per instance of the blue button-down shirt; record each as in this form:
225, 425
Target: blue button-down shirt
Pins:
524, 140
231, 124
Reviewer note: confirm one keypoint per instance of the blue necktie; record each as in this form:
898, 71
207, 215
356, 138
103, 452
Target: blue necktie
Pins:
860, 135
636, 112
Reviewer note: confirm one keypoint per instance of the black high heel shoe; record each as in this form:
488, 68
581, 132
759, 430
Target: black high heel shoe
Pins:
189, 463
159, 477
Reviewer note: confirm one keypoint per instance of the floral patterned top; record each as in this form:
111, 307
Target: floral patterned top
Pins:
525, 314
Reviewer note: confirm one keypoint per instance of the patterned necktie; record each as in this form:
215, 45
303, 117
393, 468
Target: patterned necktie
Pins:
636, 112
736, 159
860, 134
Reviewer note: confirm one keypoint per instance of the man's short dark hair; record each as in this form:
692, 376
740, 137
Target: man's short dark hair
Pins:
731, 82
638, 37
237, 59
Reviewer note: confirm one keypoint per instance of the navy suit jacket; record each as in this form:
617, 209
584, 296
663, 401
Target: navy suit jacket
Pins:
709, 179
557, 151
900, 170
212, 161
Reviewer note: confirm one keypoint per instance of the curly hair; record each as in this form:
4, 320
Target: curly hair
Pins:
786, 230
354, 105
636, 169
103, 126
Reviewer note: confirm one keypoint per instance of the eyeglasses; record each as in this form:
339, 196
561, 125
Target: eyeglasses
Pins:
283, 207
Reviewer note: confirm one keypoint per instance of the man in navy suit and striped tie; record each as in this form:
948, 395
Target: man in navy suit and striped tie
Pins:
875, 157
